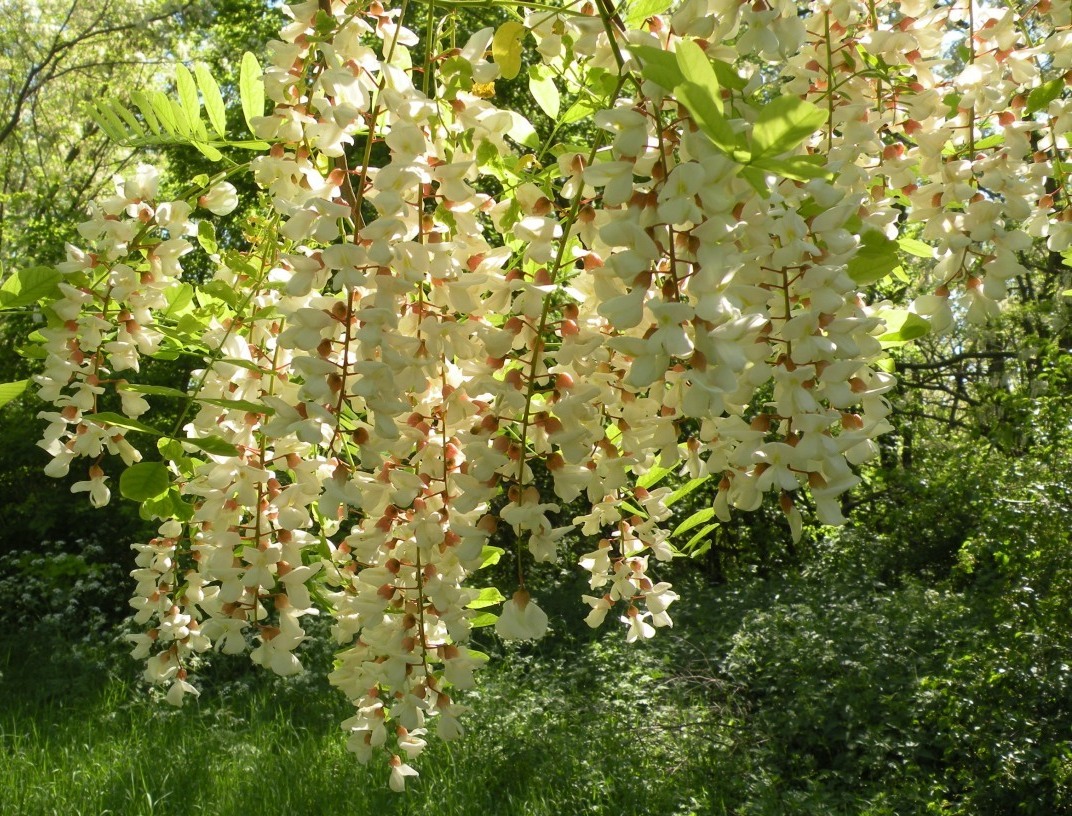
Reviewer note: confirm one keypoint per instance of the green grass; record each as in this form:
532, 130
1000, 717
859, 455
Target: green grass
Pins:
576, 739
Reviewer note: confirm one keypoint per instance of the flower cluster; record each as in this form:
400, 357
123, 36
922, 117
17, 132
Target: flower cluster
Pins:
435, 307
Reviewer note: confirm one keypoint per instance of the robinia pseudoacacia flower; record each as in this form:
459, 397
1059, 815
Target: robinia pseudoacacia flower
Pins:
437, 302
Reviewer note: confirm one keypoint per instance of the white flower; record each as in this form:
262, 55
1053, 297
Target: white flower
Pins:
521, 619
221, 199
399, 772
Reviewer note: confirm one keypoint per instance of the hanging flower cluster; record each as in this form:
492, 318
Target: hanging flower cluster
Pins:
436, 306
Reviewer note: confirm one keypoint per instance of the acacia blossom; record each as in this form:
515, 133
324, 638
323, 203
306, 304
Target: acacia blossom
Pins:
435, 308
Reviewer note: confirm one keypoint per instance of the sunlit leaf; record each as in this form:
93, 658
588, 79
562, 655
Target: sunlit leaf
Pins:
120, 421
144, 481
489, 596
251, 89
210, 93
686, 489
211, 444
875, 258
783, 123
483, 619
902, 326
187, 90
697, 70
1041, 97
695, 520
915, 247
653, 477
544, 91
706, 112
153, 390
506, 48
659, 66
27, 286
11, 390
641, 10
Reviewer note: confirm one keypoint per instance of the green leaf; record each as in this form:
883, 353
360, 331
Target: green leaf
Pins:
489, 596
798, 168
658, 66
915, 247
132, 123
728, 76
27, 286
756, 177
211, 444
182, 123
171, 449
182, 510
506, 48
902, 326
221, 291
145, 481
120, 421
206, 237
686, 489
187, 88
522, 131
700, 534
783, 123
583, 108
207, 150
1041, 97
697, 70
237, 405
695, 520
875, 258
483, 619
251, 89
653, 477
544, 91
210, 93
164, 112
11, 390
156, 507
154, 390
490, 555
641, 10
706, 111
179, 298
111, 124
146, 109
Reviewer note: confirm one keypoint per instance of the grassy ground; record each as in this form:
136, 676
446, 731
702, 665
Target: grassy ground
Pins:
77, 738
830, 692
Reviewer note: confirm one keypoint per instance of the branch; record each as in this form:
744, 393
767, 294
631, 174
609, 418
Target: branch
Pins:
46, 70
956, 358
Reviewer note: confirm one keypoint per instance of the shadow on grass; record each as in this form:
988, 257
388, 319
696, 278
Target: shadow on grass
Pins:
81, 736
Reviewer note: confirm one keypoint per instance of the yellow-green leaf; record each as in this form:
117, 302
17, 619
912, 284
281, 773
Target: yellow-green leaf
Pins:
187, 89
902, 326
251, 89
11, 390
489, 596
27, 286
783, 123
544, 91
506, 48
210, 93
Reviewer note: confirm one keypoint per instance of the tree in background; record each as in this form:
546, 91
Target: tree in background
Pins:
58, 60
